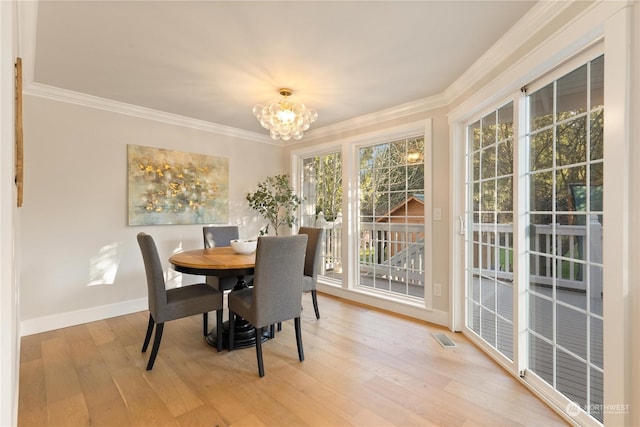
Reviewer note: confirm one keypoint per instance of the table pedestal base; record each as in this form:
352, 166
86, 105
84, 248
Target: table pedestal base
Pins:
244, 336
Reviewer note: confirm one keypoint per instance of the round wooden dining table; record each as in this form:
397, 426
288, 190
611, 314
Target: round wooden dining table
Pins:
221, 262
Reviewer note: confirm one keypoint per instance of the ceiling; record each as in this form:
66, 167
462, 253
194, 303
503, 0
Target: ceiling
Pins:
213, 60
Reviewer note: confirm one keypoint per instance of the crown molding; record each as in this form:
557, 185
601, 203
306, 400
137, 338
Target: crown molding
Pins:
28, 12
27, 20
510, 42
397, 112
63, 95
540, 14
78, 98
586, 30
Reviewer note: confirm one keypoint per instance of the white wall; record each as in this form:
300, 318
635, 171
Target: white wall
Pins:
74, 219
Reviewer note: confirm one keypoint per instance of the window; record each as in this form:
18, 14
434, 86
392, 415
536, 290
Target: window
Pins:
392, 217
377, 240
322, 206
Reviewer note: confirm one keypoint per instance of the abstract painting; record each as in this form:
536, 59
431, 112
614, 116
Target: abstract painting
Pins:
174, 187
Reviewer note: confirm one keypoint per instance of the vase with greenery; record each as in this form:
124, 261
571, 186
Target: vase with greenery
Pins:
276, 202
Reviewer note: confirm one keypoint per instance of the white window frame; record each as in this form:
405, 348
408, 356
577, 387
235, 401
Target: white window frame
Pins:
517, 126
567, 67
350, 168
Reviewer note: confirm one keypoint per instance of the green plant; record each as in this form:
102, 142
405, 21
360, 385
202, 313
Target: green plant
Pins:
275, 201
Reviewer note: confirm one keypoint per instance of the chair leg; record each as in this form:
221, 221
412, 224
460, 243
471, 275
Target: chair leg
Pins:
279, 326
232, 324
314, 297
299, 338
205, 323
156, 345
259, 351
147, 337
219, 328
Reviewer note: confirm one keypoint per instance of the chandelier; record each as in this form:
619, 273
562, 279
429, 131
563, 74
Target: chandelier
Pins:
285, 119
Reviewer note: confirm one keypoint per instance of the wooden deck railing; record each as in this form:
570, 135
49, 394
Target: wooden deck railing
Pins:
396, 251
389, 250
496, 258
332, 245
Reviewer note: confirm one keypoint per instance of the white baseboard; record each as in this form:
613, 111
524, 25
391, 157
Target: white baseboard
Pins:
437, 317
72, 318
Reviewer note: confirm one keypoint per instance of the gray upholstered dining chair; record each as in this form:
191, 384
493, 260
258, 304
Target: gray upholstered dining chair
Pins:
171, 304
312, 263
215, 236
277, 292
219, 235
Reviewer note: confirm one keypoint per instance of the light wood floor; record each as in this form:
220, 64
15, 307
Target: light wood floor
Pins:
362, 367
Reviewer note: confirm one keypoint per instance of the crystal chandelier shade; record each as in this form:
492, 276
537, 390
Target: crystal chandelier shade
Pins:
285, 119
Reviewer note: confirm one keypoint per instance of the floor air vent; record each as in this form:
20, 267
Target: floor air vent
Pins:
444, 340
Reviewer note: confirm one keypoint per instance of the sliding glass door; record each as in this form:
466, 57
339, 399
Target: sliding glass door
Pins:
565, 289
559, 165
490, 239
